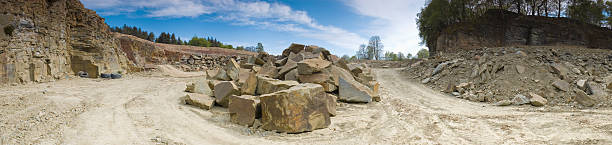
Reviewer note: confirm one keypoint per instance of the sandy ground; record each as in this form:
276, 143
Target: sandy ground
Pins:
146, 109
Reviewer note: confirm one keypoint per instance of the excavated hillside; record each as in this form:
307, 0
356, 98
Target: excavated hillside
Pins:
499, 28
46, 40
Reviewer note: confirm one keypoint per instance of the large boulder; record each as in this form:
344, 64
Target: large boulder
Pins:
323, 79
243, 110
584, 99
354, 92
537, 100
250, 85
298, 109
222, 75
295, 57
561, 85
355, 69
224, 90
291, 75
331, 104
200, 100
200, 87
559, 69
609, 86
342, 64
243, 76
337, 73
293, 48
267, 85
290, 65
310, 66
268, 70
233, 69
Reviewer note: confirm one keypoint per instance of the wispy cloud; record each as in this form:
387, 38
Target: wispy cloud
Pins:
394, 21
259, 14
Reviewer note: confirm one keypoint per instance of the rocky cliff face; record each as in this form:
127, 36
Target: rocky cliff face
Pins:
44, 40
499, 28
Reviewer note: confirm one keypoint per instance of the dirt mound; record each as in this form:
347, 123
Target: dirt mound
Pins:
560, 75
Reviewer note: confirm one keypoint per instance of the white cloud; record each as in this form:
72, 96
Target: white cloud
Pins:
394, 21
260, 14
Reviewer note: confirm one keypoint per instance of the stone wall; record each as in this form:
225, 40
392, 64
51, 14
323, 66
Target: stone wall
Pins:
499, 28
44, 40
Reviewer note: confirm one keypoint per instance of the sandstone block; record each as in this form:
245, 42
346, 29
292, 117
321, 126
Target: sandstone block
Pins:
224, 90
354, 92
537, 100
584, 99
561, 85
267, 85
250, 85
290, 65
243, 110
293, 48
233, 69
310, 66
199, 87
298, 109
200, 100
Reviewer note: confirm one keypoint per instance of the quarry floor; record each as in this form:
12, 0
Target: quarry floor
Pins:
146, 108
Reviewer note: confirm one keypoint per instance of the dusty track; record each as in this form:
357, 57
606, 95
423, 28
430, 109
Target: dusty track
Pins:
147, 109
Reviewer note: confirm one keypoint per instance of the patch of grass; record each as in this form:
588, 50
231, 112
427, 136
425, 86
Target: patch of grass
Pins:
8, 30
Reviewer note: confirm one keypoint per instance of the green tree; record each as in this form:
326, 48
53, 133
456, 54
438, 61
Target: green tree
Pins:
260, 47
375, 48
423, 53
362, 52
587, 11
196, 41
240, 48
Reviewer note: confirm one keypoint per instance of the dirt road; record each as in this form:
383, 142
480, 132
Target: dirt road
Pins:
147, 109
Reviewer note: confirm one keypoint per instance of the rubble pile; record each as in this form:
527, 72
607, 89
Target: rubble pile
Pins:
293, 93
203, 62
533, 75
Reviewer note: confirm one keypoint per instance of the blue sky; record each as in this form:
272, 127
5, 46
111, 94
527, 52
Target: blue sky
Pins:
338, 25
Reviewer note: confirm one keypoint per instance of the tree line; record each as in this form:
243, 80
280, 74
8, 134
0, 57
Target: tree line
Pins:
170, 38
374, 49
438, 14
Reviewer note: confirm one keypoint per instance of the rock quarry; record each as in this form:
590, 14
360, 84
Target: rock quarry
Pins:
292, 93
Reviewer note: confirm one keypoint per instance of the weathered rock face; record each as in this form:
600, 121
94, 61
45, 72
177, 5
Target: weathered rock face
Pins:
52, 39
499, 28
298, 109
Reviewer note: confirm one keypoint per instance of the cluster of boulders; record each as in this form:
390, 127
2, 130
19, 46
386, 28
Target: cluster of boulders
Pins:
203, 62
515, 76
295, 92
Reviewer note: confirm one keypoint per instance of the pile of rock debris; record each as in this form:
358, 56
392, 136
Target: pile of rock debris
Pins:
293, 93
203, 62
532, 75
